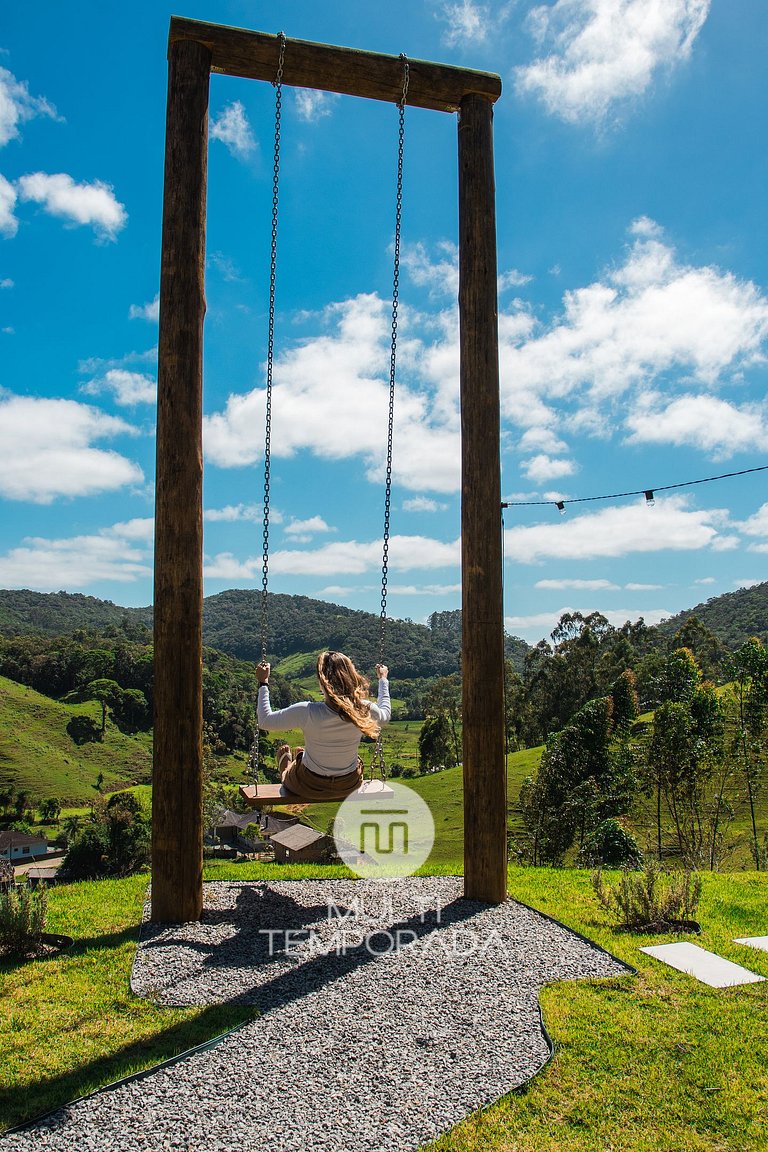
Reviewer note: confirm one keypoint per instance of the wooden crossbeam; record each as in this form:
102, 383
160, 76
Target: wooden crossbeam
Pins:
254, 55
277, 794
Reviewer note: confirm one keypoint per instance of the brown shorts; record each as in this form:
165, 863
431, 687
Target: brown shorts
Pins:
310, 786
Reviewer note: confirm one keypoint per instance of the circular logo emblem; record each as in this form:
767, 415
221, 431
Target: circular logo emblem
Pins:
384, 830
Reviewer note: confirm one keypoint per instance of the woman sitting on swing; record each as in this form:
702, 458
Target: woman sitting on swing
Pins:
329, 766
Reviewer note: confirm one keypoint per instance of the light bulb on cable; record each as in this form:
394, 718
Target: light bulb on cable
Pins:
649, 498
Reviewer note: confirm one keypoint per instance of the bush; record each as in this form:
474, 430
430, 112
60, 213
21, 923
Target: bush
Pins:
611, 845
652, 899
115, 843
22, 919
88, 854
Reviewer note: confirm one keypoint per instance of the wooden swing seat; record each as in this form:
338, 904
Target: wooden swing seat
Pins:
256, 795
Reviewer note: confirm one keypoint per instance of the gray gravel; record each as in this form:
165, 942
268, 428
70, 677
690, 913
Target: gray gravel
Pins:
363, 1045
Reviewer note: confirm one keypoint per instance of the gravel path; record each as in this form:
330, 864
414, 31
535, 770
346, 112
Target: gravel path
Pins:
390, 1012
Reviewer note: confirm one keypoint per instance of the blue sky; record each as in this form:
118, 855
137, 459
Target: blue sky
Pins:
631, 175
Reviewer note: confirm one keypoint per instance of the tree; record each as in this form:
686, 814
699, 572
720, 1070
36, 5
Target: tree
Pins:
701, 641
131, 710
115, 842
749, 710
436, 743
21, 803
444, 699
581, 781
106, 692
49, 809
690, 772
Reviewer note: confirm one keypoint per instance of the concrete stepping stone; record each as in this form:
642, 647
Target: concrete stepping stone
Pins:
760, 942
705, 966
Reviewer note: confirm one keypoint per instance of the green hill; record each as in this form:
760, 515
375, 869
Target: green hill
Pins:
733, 617
38, 755
58, 613
232, 624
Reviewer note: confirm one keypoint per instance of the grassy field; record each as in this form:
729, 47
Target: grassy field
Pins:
650, 1063
37, 753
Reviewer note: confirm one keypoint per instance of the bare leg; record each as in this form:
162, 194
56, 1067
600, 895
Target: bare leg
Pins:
284, 759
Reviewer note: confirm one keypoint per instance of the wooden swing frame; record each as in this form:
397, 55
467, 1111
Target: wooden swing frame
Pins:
195, 50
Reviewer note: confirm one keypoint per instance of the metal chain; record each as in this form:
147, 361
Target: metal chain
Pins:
253, 758
378, 758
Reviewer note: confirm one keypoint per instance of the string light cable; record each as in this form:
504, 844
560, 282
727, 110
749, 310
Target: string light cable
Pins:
649, 493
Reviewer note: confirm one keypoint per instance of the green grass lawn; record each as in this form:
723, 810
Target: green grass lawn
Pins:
37, 753
652, 1063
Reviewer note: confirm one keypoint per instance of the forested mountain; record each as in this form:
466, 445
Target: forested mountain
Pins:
232, 624
733, 617
59, 613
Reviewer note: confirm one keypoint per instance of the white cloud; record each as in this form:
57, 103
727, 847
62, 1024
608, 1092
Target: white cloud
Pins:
748, 583
706, 580
233, 130
467, 23
312, 105
17, 106
226, 566
581, 585
543, 467
9, 224
512, 279
406, 553
650, 317
307, 528
423, 504
643, 587
140, 528
440, 275
93, 204
757, 524
76, 562
423, 589
94, 364
232, 513
706, 422
6, 283
331, 396
619, 530
226, 267
150, 311
543, 439
46, 450
127, 388
347, 557
600, 53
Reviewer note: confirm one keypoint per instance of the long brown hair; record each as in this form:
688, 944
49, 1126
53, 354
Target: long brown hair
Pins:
346, 690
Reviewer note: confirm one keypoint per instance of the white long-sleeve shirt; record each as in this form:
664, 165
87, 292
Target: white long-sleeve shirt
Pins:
330, 743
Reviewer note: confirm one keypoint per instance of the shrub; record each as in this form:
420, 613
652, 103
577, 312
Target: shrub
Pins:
22, 918
88, 854
115, 843
611, 845
650, 899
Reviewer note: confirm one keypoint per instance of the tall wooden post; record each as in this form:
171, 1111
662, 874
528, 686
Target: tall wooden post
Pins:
485, 784
177, 832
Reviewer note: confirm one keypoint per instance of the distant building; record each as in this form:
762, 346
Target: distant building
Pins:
229, 828
270, 824
20, 847
300, 845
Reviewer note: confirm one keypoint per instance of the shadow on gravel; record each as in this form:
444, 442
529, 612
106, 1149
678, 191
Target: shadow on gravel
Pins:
267, 924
